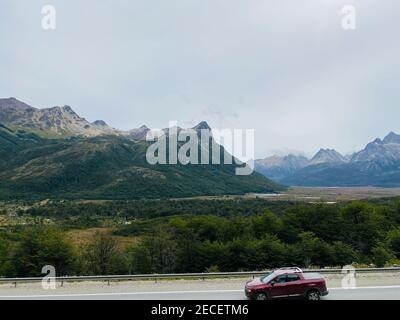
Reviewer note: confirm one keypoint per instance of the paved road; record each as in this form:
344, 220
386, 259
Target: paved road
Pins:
364, 293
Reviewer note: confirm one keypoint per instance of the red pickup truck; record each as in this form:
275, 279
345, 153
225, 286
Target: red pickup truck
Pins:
285, 283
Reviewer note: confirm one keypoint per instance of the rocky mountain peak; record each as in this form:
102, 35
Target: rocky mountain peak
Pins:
277, 167
383, 152
100, 123
50, 122
290, 160
68, 109
329, 156
13, 103
392, 138
203, 125
139, 133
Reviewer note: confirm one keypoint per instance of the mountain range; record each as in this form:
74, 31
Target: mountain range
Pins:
378, 164
56, 122
55, 153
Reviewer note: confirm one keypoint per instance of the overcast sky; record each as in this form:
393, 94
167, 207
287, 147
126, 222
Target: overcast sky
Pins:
283, 67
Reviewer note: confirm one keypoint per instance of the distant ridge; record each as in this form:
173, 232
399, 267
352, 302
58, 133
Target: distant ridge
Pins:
378, 164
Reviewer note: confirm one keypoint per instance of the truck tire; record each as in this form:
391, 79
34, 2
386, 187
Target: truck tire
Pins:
261, 296
313, 295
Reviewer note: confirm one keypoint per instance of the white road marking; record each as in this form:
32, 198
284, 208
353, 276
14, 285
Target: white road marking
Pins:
165, 292
118, 293
371, 287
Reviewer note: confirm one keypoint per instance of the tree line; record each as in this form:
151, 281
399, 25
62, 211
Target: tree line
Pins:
303, 235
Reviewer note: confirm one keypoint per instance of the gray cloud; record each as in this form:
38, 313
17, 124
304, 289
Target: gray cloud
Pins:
282, 67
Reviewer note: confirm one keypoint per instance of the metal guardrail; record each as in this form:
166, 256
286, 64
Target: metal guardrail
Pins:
202, 276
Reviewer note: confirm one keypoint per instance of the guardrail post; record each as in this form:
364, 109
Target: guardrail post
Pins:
15, 284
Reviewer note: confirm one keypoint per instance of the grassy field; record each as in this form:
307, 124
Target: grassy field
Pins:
313, 194
320, 194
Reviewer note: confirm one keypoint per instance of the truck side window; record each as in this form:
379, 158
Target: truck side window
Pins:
281, 279
292, 277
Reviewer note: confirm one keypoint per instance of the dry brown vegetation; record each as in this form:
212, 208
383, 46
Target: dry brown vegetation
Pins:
82, 237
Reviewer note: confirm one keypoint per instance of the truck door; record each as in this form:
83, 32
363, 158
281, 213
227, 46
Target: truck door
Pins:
294, 284
278, 287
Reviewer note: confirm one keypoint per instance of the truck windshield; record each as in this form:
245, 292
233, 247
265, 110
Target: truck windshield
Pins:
267, 278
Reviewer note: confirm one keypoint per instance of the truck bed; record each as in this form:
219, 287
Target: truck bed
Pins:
312, 276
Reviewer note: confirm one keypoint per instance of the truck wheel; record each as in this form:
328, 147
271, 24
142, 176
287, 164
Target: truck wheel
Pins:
313, 295
261, 296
